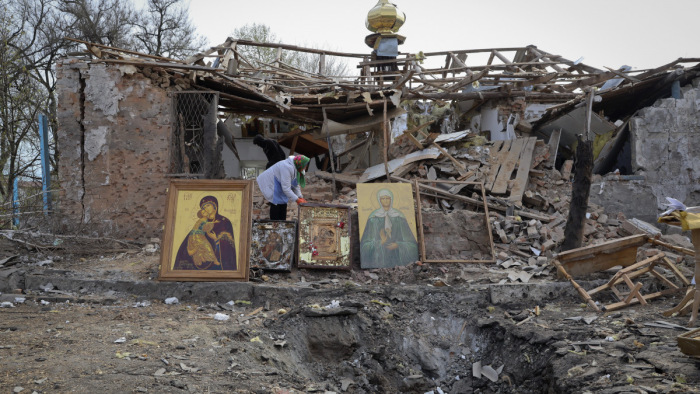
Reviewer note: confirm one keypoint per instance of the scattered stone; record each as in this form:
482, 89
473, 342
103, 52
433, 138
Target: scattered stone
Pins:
490, 373
221, 317
345, 384
319, 312
476, 369
178, 384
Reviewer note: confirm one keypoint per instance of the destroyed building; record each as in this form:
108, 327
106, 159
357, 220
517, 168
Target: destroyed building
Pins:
486, 138
130, 122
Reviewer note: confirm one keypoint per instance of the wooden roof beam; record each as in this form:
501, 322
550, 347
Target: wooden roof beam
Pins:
469, 80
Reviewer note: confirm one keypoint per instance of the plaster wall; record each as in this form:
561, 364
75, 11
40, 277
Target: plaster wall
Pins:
665, 141
114, 139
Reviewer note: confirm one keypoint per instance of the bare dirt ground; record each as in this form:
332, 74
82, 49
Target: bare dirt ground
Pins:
415, 329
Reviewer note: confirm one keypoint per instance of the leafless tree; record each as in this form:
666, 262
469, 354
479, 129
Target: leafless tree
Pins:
106, 22
261, 56
32, 37
165, 29
21, 100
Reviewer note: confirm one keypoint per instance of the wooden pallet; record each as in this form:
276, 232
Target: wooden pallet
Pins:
511, 155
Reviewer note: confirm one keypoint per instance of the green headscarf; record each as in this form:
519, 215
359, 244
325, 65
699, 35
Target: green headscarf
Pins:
300, 162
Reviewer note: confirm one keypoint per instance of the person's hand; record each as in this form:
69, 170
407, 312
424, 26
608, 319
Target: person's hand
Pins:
392, 246
301, 201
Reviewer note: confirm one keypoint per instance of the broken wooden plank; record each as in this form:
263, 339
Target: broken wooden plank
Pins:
468, 80
619, 305
499, 150
604, 256
500, 185
522, 176
524, 214
340, 177
676, 272
352, 148
634, 293
460, 167
553, 147
582, 292
405, 169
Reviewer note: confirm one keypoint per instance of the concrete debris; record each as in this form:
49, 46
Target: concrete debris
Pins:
476, 369
489, 373
221, 317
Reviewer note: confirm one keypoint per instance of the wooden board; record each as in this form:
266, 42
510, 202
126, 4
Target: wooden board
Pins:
498, 153
500, 185
601, 257
689, 342
522, 176
553, 147
339, 177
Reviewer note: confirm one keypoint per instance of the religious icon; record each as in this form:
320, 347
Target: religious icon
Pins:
273, 244
387, 225
324, 236
207, 231
210, 244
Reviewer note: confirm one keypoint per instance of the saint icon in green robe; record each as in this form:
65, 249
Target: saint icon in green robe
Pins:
387, 240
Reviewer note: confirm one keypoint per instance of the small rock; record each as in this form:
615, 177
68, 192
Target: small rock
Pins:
178, 384
221, 317
280, 343
345, 383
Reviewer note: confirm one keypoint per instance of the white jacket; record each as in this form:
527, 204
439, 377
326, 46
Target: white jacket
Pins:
284, 171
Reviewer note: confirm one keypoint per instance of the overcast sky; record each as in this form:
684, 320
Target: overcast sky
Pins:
639, 33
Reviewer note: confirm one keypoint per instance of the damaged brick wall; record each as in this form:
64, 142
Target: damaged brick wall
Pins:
666, 144
114, 138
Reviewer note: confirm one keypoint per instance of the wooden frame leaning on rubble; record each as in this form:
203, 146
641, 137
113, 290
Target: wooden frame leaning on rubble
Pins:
207, 230
417, 185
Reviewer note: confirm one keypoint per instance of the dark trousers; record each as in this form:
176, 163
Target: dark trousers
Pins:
278, 211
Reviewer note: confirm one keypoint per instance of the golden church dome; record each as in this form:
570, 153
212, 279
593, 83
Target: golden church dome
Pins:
385, 17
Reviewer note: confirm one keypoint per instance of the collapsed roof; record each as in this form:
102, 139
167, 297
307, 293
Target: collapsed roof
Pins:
347, 104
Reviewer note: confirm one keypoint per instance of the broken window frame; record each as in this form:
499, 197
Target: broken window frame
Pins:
179, 155
257, 165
